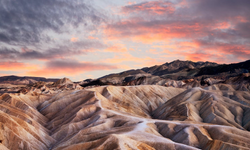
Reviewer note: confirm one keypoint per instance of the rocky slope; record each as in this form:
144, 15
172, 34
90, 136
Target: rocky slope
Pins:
184, 74
127, 117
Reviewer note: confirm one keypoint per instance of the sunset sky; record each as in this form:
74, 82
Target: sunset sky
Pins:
83, 39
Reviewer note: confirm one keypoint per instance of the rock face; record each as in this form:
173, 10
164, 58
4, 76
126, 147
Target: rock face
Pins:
127, 117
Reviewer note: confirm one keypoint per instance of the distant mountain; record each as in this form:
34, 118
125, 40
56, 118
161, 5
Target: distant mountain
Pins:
23, 80
236, 68
177, 66
174, 73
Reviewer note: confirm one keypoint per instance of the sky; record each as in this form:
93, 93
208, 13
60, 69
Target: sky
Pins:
83, 39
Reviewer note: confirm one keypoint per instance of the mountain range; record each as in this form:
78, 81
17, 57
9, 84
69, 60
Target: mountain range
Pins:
176, 71
16, 80
181, 105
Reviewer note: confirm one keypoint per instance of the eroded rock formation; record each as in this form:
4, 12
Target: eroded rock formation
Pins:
127, 117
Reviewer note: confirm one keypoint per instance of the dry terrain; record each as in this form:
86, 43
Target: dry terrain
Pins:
127, 117
178, 105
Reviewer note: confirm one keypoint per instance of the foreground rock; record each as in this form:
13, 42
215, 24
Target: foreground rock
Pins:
128, 117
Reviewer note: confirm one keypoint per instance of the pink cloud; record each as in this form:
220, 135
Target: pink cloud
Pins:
189, 29
69, 68
152, 7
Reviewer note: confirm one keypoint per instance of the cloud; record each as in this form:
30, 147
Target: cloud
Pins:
74, 39
27, 21
15, 66
152, 7
69, 67
213, 57
60, 51
44, 30
230, 52
223, 9
199, 27
205, 50
116, 48
199, 56
156, 30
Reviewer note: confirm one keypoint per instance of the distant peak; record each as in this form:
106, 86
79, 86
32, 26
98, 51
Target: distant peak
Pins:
63, 81
177, 60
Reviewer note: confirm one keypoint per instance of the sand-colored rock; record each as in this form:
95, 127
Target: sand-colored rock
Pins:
127, 117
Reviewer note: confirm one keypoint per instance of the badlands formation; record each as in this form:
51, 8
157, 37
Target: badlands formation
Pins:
199, 113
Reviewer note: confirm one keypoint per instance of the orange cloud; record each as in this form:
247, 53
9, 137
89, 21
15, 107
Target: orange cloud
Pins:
202, 50
198, 57
214, 57
16, 66
74, 39
147, 32
222, 25
218, 52
131, 3
186, 45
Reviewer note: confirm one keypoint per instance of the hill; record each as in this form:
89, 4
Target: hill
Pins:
17, 80
177, 73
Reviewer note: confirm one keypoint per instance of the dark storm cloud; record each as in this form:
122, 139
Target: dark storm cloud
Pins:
24, 21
